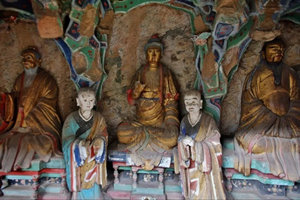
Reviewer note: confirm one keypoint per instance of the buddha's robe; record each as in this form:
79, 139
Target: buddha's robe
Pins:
200, 165
270, 123
37, 109
156, 124
85, 167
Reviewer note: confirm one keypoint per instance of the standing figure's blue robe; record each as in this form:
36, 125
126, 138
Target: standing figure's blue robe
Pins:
85, 166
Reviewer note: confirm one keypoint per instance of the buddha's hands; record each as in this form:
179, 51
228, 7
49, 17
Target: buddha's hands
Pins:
24, 130
279, 104
138, 88
155, 130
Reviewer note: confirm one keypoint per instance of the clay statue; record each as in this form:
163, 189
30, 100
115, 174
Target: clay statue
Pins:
270, 120
35, 130
84, 139
155, 96
200, 152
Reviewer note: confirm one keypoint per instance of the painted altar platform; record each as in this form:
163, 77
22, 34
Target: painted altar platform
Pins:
261, 184
40, 181
133, 182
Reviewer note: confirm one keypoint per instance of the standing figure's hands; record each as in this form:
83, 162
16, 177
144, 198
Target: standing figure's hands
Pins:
97, 144
84, 149
188, 141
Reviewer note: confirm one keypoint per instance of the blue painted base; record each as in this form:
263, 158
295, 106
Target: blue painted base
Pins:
133, 182
40, 181
21, 191
252, 189
126, 195
125, 183
260, 184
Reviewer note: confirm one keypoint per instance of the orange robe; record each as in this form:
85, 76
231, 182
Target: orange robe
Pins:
270, 123
37, 109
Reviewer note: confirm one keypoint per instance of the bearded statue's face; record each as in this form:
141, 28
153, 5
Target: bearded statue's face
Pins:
30, 61
274, 53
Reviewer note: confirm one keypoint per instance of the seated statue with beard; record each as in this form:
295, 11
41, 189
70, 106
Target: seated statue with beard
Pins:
270, 119
33, 131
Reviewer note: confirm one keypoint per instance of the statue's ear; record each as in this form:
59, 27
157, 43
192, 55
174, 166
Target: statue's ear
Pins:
263, 54
201, 103
39, 62
77, 101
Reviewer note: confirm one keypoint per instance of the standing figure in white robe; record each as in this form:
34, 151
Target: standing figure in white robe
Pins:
200, 152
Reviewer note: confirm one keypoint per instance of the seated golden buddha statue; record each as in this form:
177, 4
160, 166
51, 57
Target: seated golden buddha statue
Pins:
270, 121
154, 94
34, 129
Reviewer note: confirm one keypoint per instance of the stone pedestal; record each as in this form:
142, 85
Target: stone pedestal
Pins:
40, 181
133, 182
261, 184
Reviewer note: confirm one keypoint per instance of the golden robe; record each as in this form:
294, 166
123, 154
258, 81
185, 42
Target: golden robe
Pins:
200, 165
270, 123
37, 109
156, 124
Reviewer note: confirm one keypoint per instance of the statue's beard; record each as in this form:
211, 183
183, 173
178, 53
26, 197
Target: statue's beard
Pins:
277, 71
30, 76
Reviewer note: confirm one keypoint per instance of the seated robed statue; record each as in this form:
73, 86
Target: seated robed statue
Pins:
35, 128
155, 96
199, 152
270, 118
84, 139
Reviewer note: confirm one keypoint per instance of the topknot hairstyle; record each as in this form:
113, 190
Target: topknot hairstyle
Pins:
154, 41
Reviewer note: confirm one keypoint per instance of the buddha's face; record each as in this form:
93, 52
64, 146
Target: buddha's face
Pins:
153, 55
274, 52
86, 101
193, 103
30, 61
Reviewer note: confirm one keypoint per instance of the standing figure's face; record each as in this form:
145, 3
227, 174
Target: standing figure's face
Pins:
86, 101
153, 55
30, 61
274, 53
192, 103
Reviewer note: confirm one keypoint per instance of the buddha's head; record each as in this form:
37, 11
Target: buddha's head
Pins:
31, 58
193, 101
153, 49
273, 51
